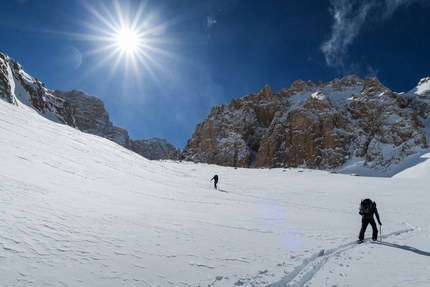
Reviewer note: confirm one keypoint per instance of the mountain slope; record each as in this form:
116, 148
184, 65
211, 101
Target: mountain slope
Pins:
79, 210
74, 108
92, 117
326, 126
17, 88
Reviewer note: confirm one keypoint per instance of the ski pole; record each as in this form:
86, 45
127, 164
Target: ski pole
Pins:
380, 233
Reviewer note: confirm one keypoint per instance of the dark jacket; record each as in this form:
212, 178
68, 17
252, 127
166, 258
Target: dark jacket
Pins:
215, 177
373, 211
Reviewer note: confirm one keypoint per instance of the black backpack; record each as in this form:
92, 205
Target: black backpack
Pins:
366, 207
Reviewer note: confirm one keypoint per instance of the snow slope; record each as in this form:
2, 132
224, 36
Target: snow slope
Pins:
80, 210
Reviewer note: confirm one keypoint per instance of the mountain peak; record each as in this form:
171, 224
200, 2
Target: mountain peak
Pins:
321, 126
372, 87
423, 88
74, 108
20, 88
300, 86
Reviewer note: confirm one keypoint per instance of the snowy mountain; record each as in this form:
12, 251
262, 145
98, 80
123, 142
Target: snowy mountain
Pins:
339, 125
80, 210
19, 88
74, 108
342, 125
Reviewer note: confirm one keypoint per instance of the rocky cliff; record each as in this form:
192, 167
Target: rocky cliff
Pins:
231, 134
319, 126
74, 108
19, 88
155, 148
92, 117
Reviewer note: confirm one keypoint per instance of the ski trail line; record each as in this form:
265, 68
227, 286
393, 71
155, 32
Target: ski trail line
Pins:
311, 265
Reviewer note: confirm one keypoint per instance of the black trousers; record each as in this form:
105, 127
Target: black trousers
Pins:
364, 223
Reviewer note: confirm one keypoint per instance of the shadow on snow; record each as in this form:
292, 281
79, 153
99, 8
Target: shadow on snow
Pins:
405, 247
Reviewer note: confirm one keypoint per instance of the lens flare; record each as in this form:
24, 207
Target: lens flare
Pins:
70, 57
291, 239
271, 213
155, 24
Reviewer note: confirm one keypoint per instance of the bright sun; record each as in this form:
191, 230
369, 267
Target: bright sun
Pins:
127, 40
126, 36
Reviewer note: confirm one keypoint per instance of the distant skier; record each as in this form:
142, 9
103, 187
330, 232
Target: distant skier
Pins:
366, 210
215, 179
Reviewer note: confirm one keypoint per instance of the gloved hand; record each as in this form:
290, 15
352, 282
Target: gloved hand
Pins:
380, 223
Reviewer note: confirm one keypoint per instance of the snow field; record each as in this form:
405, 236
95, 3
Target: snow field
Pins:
79, 210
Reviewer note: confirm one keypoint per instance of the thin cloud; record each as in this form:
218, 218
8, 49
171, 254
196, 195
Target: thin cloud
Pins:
392, 5
210, 21
348, 18
372, 71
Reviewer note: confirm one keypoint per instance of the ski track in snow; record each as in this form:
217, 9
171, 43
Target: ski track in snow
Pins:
311, 265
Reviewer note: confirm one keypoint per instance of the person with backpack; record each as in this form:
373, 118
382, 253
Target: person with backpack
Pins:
366, 210
215, 179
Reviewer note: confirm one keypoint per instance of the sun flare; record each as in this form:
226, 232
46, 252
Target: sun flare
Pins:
127, 40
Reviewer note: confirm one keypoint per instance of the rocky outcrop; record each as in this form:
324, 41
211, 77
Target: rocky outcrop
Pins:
17, 87
74, 108
92, 117
319, 126
231, 134
419, 98
155, 148
312, 134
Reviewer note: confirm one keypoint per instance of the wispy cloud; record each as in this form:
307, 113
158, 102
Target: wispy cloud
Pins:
348, 18
393, 5
210, 21
371, 71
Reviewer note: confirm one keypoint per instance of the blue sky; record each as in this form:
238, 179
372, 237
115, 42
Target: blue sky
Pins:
186, 56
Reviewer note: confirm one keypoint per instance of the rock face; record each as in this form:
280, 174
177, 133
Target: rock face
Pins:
419, 98
231, 135
74, 108
91, 117
319, 126
155, 148
17, 88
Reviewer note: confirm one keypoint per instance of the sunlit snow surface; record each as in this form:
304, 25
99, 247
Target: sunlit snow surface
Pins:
79, 210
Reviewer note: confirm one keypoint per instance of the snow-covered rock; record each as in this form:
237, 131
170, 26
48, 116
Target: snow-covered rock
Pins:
92, 117
419, 97
17, 88
231, 135
319, 126
74, 108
